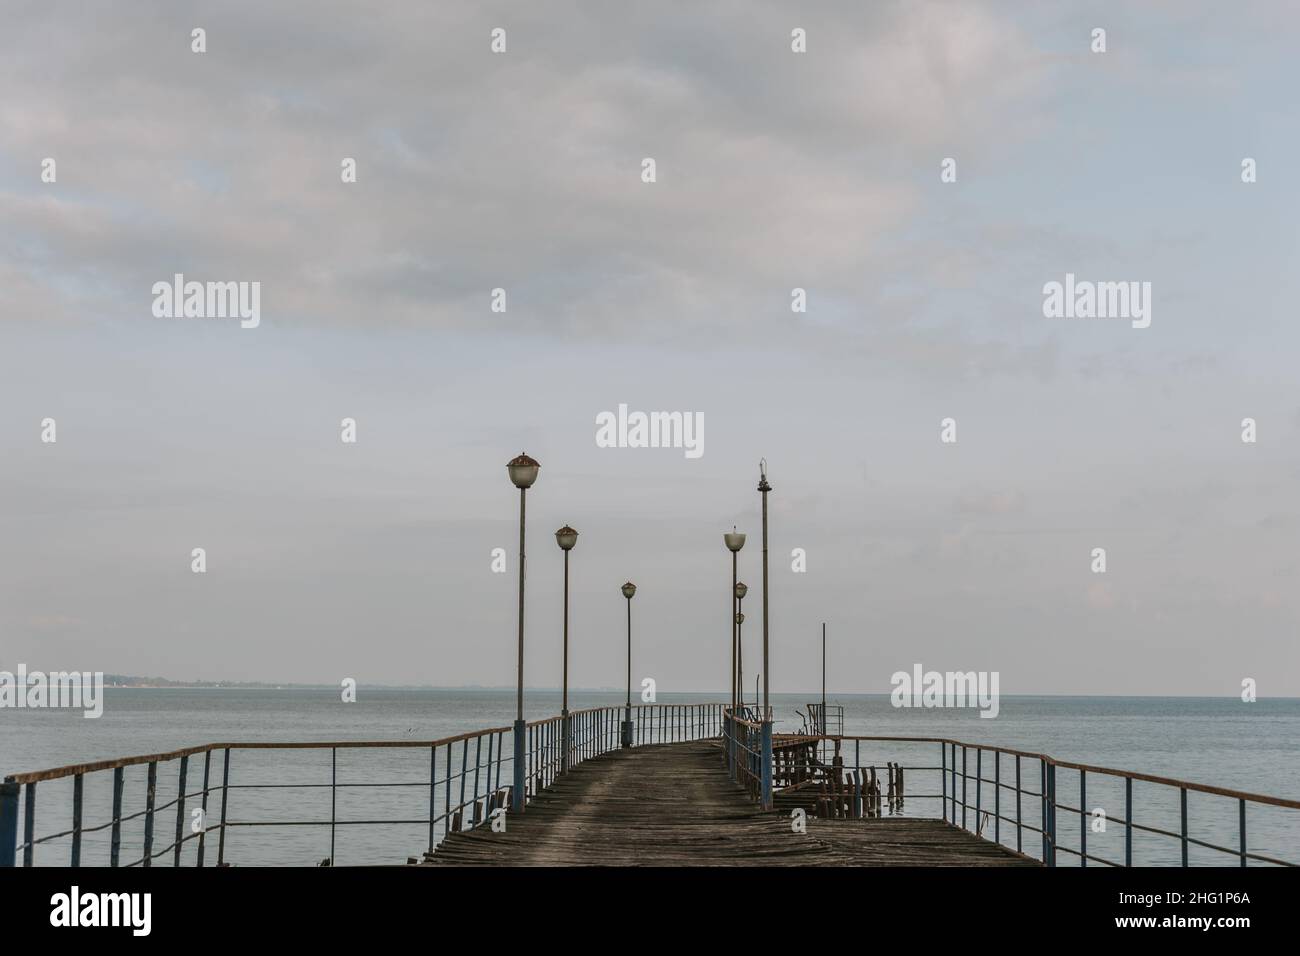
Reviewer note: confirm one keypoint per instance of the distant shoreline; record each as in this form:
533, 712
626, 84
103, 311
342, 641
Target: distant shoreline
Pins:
477, 689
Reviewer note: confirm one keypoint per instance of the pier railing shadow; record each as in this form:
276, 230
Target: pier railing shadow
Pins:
180, 807
1053, 811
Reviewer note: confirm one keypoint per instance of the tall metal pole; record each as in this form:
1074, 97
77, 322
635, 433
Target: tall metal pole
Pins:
518, 795
735, 607
627, 713
564, 704
764, 488
825, 722
740, 654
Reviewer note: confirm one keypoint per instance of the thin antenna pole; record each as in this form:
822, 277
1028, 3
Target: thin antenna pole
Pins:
825, 722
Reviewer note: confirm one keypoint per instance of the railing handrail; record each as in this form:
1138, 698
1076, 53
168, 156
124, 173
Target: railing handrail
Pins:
71, 770
1087, 768
547, 747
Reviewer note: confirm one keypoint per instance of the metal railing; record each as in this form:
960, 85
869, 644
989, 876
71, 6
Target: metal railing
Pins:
468, 779
824, 719
747, 751
1010, 797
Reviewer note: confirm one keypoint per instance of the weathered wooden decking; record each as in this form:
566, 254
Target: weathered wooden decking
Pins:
673, 805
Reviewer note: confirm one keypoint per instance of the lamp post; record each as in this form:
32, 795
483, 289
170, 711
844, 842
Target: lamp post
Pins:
566, 538
763, 489
629, 589
523, 472
740, 591
734, 541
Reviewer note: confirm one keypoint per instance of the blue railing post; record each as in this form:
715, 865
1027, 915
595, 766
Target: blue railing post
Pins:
517, 797
767, 765
8, 823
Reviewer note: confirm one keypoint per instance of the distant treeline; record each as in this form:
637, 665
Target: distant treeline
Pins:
130, 680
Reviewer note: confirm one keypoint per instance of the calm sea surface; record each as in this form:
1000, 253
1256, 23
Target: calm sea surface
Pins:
1219, 741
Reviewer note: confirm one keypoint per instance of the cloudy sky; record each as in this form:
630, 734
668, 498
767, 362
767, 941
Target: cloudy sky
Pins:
775, 170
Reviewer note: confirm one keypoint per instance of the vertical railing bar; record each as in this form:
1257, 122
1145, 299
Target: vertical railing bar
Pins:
225, 786
1019, 832
446, 807
954, 783
1051, 808
979, 789
1182, 800
9, 823
334, 797
150, 790
963, 786
203, 808
180, 809
464, 769
478, 756
29, 823
1042, 766
446, 804
1241, 828
1083, 818
433, 788
78, 783
997, 797
857, 767
943, 776
498, 779
115, 845
1128, 821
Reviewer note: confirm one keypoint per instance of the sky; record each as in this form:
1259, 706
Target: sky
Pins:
774, 170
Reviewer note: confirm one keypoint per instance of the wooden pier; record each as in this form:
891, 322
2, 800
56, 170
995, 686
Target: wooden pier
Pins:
674, 805
698, 786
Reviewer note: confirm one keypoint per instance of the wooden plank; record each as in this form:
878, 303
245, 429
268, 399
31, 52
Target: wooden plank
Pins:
673, 805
